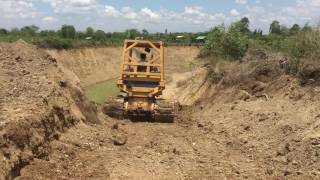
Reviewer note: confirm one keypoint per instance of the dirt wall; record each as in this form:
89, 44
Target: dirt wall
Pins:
94, 65
39, 100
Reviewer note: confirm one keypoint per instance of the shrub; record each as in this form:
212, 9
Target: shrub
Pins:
55, 42
230, 45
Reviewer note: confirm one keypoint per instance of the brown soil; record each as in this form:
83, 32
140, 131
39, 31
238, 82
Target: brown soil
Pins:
259, 124
38, 102
259, 138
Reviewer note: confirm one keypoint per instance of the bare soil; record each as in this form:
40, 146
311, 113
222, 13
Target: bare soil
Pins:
38, 101
261, 124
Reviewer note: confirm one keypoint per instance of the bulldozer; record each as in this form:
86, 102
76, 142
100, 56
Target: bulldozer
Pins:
141, 83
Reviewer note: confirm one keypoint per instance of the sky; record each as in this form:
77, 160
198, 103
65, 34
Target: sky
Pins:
155, 15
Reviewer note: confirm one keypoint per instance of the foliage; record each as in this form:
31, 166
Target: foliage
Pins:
55, 42
300, 44
275, 27
68, 32
68, 37
89, 32
229, 44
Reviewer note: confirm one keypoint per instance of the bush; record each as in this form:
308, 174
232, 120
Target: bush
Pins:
230, 45
55, 42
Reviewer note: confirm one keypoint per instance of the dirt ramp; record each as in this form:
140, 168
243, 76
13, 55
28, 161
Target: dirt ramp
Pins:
38, 101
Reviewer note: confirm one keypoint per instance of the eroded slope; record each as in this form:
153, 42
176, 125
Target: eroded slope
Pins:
38, 102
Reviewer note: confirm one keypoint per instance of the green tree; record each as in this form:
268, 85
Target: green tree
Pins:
132, 33
29, 30
275, 27
307, 28
68, 31
284, 30
244, 25
89, 32
241, 26
15, 32
3, 31
99, 35
257, 32
45, 33
145, 32
295, 29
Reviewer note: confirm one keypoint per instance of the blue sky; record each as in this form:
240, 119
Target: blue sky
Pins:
156, 16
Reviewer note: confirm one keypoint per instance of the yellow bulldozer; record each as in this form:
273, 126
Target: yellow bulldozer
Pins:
142, 82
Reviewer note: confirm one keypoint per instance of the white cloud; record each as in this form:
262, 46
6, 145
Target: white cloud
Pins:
49, 19
129, 13
94, 13
148, 13
193, 10
111, 11
17, 9
73, 6
241, 1
234, 12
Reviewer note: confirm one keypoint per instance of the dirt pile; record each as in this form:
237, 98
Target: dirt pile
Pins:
38, 101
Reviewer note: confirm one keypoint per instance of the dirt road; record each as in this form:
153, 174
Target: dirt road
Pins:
234, 140
183, 150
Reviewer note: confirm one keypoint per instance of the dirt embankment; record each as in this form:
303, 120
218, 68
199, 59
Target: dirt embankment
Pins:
247, 120
94, 65
38, 101
266, 118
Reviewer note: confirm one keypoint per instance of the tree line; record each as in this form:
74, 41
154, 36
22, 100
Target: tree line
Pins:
68, 37
236, 36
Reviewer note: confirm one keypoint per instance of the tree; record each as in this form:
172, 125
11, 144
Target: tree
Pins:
99, 35
241, 26
307, 28
145, 32
257, 32
295, 29
245, 23
89, 31
230, 45
29, 30
45, 33
3, 31
68, 31
15, 31
132, 33
275, 27
284, 30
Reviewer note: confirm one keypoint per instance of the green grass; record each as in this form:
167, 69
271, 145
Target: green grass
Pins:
100, 91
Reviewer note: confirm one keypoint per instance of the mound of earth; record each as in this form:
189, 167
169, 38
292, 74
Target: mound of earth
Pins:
38, 101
